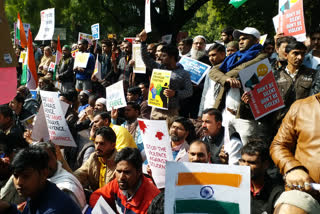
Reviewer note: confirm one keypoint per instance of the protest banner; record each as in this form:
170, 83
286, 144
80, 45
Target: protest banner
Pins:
57, 126
197, 70
156, 141
207, 188
160, 81
102, 207
26, 27
81, 60
115, 96
263, 39
46, 29
8, 61
95, 30
259, 81
291, 19
147, 16
86, 36
139, 66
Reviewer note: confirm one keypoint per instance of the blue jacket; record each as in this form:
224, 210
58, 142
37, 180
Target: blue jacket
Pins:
86, 75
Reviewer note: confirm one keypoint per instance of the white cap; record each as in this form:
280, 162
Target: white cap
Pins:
248, 30
201, 37
102, 101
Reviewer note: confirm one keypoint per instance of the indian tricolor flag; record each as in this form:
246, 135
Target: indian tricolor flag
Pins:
58, 58
20, 35
29, 70
207, 188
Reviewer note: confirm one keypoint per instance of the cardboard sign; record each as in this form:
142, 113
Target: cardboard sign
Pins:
46, 30
115, 96
291, 19
147, 16
197, 69
156, 141
259, 81
139, 66
81, 60
160, 81
95, 30
207, 188
86, 36
57, 126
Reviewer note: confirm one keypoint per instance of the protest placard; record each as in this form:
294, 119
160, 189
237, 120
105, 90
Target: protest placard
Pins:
160, 81
51, 67
97, 69
259, 81
22, 57
275, 21
157, 146
46, 30
86, 36
115, 96
207, 188
197, 70
57, 126
95, 30
263, 39
102, 207
291, 19
26, 27
147, 16
139, 66
81, 60
74, 52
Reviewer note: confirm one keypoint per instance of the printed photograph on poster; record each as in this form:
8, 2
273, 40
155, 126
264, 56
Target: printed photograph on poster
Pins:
202, 188
160, 81
139, 66
259, 81
197, 70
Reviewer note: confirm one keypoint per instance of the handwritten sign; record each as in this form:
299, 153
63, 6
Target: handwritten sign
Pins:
160, 81
197, 70
204, 188
57, 126
81, 60
259, 81
157, 146
147, 18
115, 96
139, 66
47, 25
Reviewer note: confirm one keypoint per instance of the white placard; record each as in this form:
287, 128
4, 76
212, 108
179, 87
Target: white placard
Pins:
139, 66
46, 30
156, 141
57, 125
81, 60
115, 96
102, 207
147, 18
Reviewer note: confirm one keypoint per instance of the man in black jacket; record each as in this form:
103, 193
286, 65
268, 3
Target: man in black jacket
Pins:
65, 75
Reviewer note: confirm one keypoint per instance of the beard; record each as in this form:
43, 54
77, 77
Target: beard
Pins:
195, 54
175, 138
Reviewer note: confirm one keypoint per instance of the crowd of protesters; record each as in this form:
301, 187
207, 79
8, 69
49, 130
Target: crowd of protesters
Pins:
281, 148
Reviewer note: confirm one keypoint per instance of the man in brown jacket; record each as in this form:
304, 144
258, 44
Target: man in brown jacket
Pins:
99, 169
296, 147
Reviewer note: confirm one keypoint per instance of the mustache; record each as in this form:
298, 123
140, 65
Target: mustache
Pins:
205, 129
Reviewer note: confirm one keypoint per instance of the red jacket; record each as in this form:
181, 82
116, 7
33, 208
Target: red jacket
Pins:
118, 201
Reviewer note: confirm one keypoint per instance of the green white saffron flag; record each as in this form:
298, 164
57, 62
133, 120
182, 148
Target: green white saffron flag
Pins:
237, 3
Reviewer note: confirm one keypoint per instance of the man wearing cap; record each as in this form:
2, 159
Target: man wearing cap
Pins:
227, 75
65, 75
83, 75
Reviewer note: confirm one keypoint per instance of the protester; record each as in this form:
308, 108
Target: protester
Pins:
21, 113
131, 191
232, 47
227, 35
184, 46
199, 152
53, 46
215, 137
65, 75
264, 190
180, 83
47, 58
30, 170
